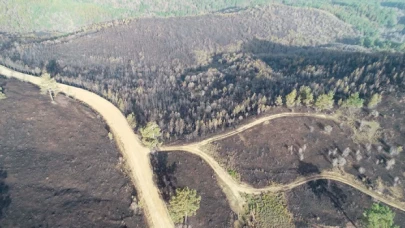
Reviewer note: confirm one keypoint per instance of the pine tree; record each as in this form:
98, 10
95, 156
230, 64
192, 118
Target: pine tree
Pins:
354, 101
131, 120
184, 204
374, 100
290, 98
306, 96
279, 101
151, 135
379, 216
325, 101
49, 85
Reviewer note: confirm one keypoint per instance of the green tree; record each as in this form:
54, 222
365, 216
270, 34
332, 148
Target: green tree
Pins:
290, 98
2, 95
184, 204
49, 85
379, 216
306, 96
131, 120
354, 101
279, 101
325, 101
374, 100
151, 135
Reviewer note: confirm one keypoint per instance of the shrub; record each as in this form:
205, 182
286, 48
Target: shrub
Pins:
131, 120
268, 210
234, 174
390, 164
2, 95
328, 129
110, 136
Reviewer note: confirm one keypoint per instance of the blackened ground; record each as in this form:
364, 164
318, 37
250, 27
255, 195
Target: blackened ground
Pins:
179, 169
261, 155
330, 203
57, 166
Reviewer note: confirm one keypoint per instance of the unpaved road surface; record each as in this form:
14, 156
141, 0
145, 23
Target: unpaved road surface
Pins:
233, 189
135, 155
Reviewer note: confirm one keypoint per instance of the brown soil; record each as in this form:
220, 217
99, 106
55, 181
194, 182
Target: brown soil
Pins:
330, 203
58, 167
177, 170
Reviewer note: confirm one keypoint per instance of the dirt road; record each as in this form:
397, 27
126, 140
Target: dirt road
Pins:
233, 189
135, 155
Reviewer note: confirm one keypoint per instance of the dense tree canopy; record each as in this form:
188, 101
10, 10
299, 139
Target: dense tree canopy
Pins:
184, 204
379, 216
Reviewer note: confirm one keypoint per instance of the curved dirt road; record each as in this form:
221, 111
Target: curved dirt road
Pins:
233, 189
135, 155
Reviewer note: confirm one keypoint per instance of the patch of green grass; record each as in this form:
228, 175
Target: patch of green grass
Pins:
234, 174
268, 211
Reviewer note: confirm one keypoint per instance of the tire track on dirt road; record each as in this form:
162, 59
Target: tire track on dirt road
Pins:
234, 189
134, 153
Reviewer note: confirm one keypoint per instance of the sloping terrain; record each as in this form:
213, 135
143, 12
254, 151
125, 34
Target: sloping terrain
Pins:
159, 41
58, 167
61, 16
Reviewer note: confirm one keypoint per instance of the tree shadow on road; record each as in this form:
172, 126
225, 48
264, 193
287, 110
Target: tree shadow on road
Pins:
164, 174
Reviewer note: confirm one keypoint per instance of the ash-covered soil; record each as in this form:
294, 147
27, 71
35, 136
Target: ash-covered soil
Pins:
329, 203
178, 170
57, 166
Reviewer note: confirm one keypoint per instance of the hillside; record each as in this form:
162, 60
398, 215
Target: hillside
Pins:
58, 167
184, 40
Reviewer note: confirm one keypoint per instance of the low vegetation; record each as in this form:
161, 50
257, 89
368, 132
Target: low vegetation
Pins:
234, 174
184, 204
268, 210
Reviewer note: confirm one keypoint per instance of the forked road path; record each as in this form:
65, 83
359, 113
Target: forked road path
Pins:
137, 157
233, 189
135, 154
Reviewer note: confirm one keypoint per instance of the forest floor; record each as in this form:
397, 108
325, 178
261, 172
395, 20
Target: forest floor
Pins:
57, 166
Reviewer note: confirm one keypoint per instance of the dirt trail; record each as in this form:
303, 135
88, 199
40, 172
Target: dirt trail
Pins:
135, 155
233, 189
